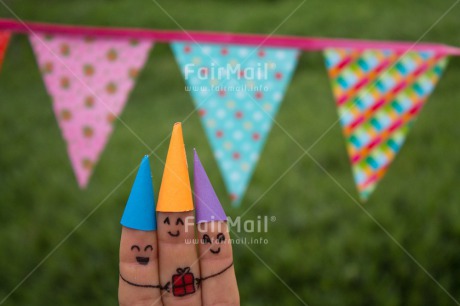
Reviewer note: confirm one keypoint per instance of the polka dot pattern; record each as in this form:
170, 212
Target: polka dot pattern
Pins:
237, 90
89, 80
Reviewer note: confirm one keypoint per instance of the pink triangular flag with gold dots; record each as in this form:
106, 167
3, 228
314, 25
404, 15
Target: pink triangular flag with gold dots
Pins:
89, 80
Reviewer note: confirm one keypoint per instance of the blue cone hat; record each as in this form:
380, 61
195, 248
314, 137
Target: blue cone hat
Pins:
140, 209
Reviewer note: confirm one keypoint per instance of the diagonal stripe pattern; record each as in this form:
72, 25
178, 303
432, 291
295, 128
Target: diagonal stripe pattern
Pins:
379, 94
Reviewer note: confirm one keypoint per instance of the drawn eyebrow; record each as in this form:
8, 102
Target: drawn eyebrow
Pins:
220, 237
179, 220
135, 247
166, 221
206, 238
147, 247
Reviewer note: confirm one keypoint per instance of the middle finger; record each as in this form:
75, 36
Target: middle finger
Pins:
179, 265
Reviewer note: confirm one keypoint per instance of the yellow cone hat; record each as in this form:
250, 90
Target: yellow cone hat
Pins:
175, 192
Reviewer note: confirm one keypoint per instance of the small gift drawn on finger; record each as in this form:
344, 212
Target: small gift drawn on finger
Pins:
183, 283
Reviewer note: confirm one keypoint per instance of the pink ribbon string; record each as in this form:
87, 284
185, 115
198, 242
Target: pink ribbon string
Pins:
166, 36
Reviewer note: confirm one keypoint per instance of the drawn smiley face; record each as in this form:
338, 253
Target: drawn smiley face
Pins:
176, 232
219, 239
142, 260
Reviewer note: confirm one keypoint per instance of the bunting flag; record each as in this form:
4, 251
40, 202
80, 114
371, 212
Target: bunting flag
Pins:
380, 87
89, 80
4, 39
237, 91
379, 94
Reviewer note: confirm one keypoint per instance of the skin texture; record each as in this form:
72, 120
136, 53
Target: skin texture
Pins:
171, 252
163, 267
138, 273
175, 253
215, 256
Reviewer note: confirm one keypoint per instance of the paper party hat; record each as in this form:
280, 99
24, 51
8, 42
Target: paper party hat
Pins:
140, 210
207, 205
175, 192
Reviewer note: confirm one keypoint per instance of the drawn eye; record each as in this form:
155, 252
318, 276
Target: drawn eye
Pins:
148, 247
206, 239
135, 247
220, 238
179, 220
166, 221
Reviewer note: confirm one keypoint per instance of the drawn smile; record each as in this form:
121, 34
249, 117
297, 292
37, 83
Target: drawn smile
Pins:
174, 235
215, 252
142, 260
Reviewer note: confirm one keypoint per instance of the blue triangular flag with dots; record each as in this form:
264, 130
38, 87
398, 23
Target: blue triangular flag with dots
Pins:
238, 91
139, 212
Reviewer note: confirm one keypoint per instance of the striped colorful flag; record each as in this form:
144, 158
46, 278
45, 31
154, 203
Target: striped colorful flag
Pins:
379, 94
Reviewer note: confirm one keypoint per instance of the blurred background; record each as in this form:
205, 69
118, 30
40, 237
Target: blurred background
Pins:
322, 247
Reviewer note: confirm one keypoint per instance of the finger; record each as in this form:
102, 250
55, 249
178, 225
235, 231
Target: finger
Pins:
179, 266
218, 279
139, 280
139, 276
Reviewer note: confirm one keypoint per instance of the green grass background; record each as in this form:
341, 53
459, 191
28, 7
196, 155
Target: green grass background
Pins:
323, 246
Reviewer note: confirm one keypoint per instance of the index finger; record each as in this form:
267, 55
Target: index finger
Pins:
139, 283
138, 278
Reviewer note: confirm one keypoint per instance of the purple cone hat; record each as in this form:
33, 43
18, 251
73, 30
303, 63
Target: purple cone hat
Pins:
207, 205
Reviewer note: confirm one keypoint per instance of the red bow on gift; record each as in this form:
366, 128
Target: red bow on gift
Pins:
182, 271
